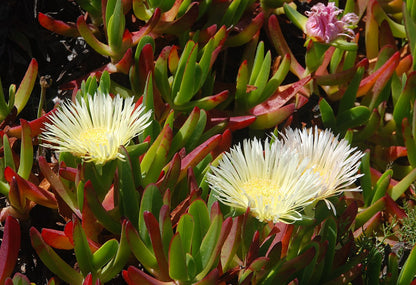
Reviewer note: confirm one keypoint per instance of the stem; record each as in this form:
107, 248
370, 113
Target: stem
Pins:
45, 82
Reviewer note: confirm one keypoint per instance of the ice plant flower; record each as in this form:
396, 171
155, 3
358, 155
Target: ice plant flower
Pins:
335, 161
270, 179
94, 128
324, 26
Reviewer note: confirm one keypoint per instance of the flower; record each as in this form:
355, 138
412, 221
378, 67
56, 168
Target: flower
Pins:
332, 158
272, 180
94, 128
323, 24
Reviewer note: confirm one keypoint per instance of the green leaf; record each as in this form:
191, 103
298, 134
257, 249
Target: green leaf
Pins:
4, 107
205, 64
199, 212
329, 233
365, 180
129, 196
105, 253
151, 154
8, 154
52, 261
315, 54
328, 116
381, 186
26, 151
105, 83
135, 151
82, 250
66, 195
90, 38
199, 129
307, 273
115, 27
101, 176
143, 254
260, 83
185, 228
160, 158
165, 225
180, 69
140, 10
177, 259
103, 217
403, 185
241, 86
370, 128
145, 40
410, 143
186, 90
152, 202
109, 10
209, 243
148, 104
297, 18
410, 24
403, 107
26, 86
185, 132
335, 60
408, 271
348, 99
353, 117
120, 259
258, 62
161, 75
277, 79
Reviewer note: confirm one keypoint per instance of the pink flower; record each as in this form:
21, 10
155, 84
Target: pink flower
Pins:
323, 24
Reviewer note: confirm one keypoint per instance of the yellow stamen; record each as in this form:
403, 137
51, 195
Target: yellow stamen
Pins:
99, 136
259, 186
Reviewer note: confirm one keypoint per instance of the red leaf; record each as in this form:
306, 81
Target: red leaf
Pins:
253, 249
195, 156
234, 123
30, 191
273, 111
68, 173
224, 144
277, 100
9, 248
379, 77
57, 26
210, 278
237, 123
153, 21
134, 276
125, 63
393, 209
35, 126
154, 233
56, 239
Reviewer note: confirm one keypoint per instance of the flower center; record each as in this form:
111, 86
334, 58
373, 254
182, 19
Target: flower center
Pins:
260, 187
97, 136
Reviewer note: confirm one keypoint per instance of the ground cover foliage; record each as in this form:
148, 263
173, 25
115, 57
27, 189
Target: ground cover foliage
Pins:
132, 191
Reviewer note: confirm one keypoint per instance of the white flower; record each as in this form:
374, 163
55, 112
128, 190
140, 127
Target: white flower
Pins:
93, 129
272, 180
332, 158
323, 24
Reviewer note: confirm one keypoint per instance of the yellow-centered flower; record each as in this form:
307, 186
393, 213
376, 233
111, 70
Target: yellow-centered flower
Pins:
332, 158
93, 129
272, 180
